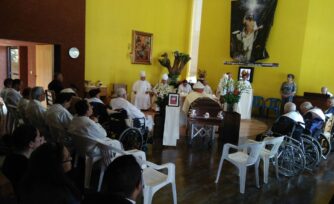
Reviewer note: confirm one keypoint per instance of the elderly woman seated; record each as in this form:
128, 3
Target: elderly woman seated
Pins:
290, 123
314, 118
132, 111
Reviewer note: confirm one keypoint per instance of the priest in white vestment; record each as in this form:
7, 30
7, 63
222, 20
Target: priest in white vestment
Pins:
184, 88
140, 93
246, 97
197, 93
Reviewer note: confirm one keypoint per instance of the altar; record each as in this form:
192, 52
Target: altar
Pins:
244, 107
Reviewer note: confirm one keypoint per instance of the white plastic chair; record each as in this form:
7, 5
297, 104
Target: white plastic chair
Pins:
242, 159
153, 180
109, 153
80, 144
267, 154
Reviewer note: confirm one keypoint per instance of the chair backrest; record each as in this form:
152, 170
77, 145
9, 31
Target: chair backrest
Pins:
275, 141
109, 152
273, 103
50, 97
254, 150
258, 101
117, 86
329, 124
204, 105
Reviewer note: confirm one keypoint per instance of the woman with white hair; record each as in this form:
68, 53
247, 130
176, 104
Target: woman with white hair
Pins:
35, 111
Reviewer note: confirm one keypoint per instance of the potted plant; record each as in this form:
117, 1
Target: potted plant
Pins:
180, 60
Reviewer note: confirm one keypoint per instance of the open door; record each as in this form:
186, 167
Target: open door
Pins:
44, 65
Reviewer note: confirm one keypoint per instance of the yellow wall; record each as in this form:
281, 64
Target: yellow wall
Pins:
109, 25
285, 44
318, 56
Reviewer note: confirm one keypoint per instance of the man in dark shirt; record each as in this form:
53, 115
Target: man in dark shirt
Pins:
57, 83
25, 140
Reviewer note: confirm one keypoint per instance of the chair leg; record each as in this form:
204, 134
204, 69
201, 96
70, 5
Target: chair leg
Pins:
88, 171
257, 173
265, 169
242, 179
147, 195
219, 169
174, 193
276, 166
103, 168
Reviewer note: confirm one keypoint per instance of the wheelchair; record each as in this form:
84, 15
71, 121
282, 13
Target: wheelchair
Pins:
321, 131
133, 136
298, 151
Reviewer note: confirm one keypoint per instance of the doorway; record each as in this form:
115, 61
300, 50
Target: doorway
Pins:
31, 62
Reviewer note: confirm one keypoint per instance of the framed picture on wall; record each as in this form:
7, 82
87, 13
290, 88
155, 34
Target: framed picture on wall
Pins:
247, 72
141, 47
173, 100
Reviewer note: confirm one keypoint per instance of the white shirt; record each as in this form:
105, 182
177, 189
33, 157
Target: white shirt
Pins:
94, 99
58, 116
139, 97
83, 126
140, 87
13, 97
35, 113
3, 93
121, 103
225, 85
317, 113
207, 89
295, 116
184, 89
21, 107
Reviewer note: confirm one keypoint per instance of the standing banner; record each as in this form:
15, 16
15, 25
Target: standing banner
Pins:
251, 21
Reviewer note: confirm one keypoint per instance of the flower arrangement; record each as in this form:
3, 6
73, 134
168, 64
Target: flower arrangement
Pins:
180, 60
234, 91
162, 91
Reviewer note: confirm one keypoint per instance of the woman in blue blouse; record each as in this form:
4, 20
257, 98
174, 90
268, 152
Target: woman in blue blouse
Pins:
288, 89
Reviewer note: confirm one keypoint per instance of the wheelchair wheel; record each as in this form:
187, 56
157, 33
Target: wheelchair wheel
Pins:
312, 152
325, 146
131, 138
291, 160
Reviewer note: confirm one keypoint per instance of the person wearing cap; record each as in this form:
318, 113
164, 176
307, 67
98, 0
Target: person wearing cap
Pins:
140, 93
246, 97
226, 84
184, 88
197, 93
35, 111
75, 99
207, 88
161, 89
